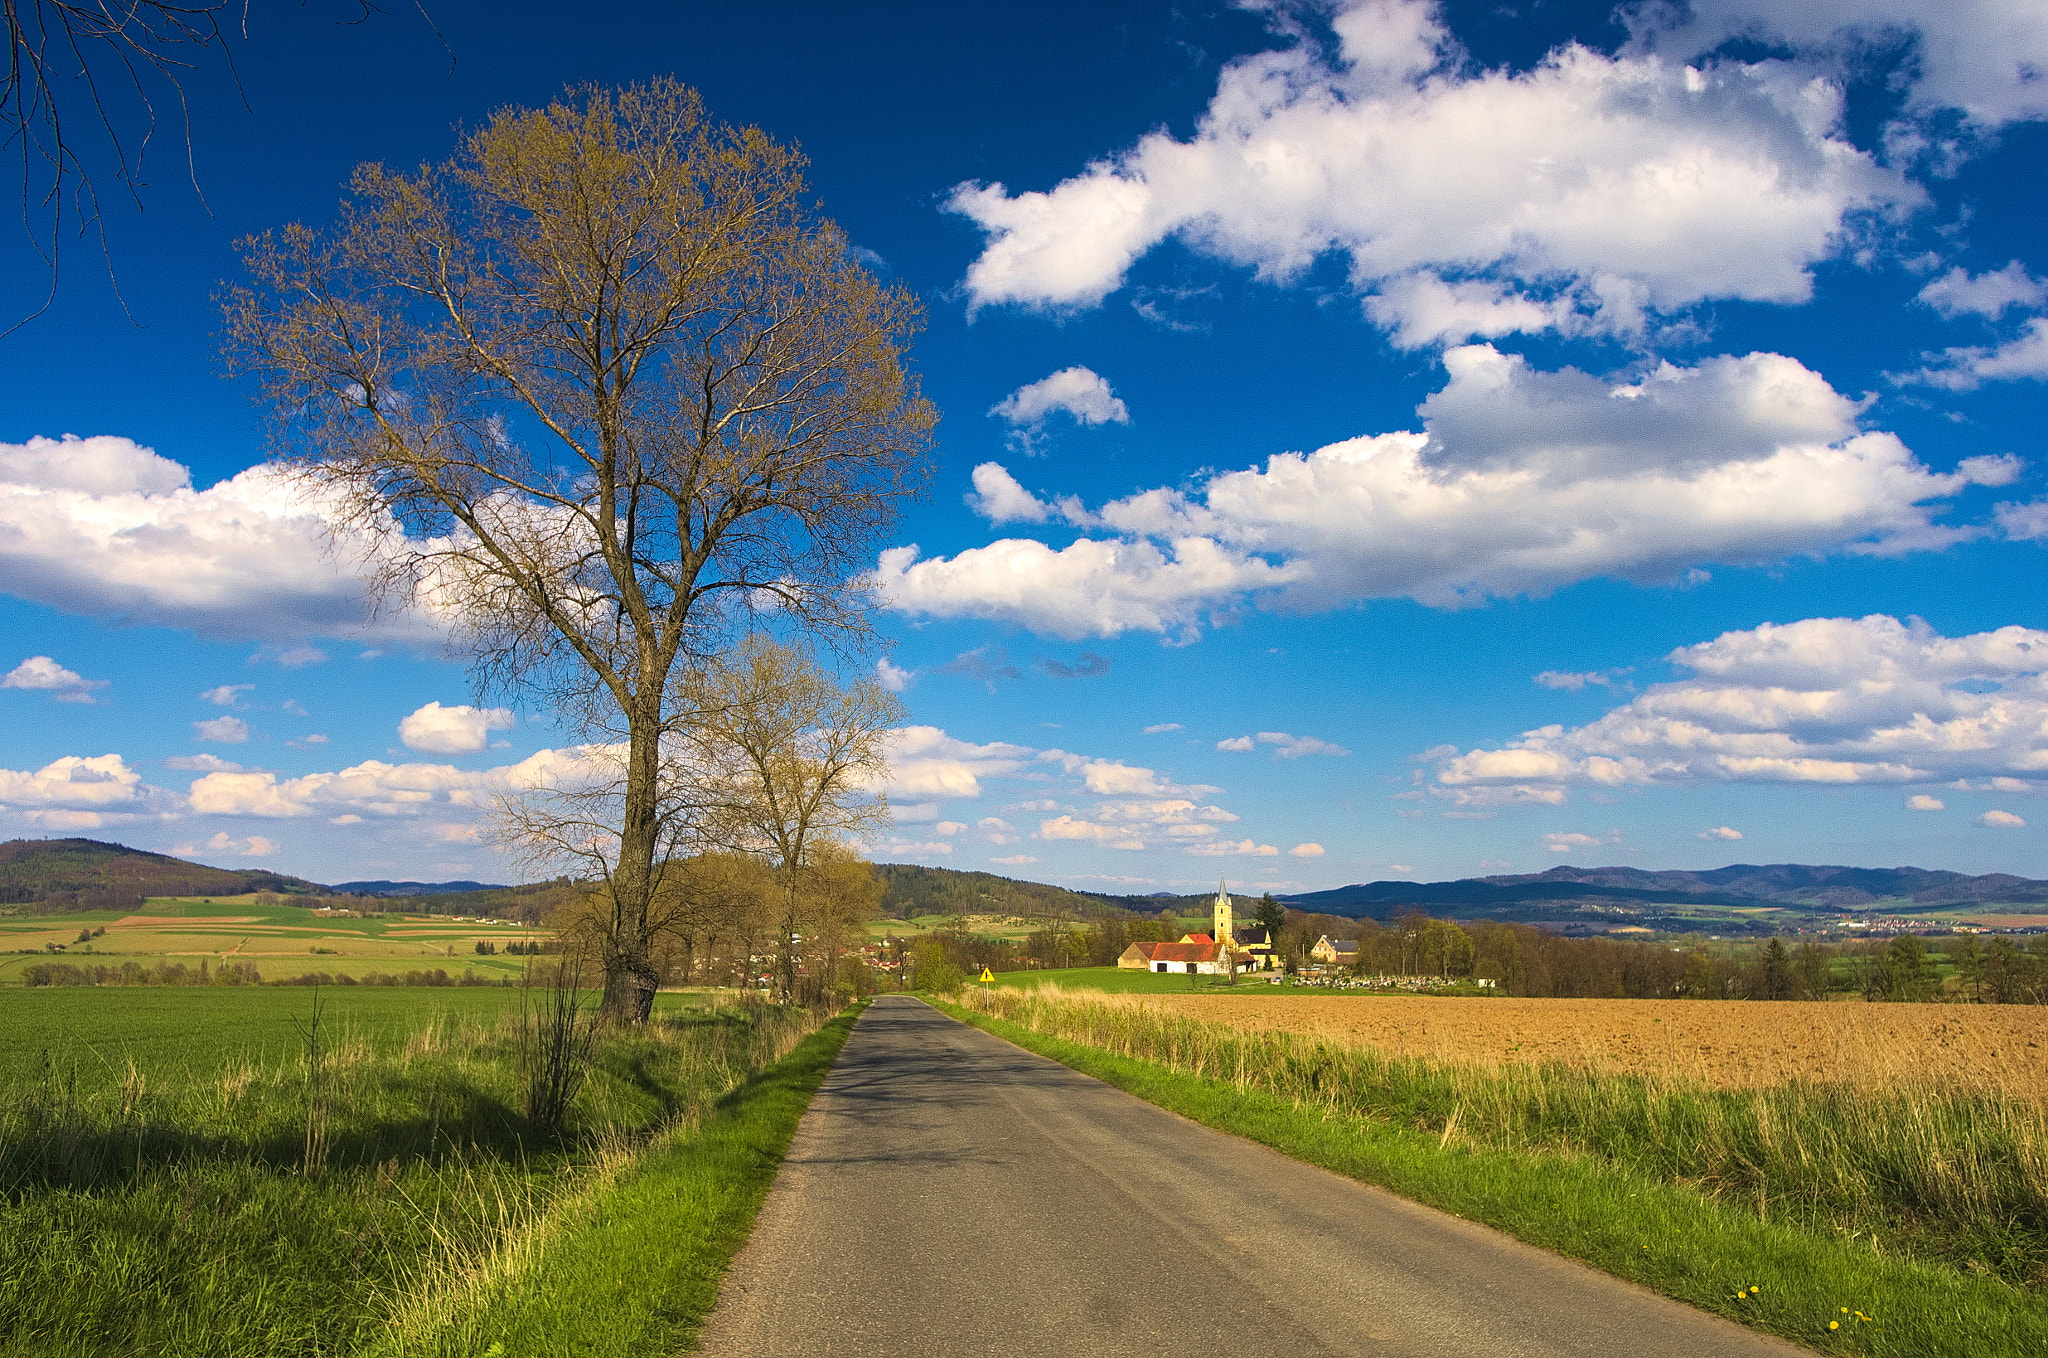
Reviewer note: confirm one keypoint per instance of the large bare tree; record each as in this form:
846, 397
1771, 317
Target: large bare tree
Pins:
603, 388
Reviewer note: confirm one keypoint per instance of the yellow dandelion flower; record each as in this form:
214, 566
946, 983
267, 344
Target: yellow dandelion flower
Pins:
1753, 1289
1834, 1324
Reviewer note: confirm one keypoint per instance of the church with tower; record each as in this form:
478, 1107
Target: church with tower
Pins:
1225, 946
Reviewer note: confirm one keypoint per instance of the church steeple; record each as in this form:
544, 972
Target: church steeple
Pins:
1223, 928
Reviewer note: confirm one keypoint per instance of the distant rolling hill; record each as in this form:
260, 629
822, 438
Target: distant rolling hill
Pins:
381, 888
86, 874
911, 889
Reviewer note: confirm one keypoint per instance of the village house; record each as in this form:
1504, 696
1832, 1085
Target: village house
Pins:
1199, 958
1334, 952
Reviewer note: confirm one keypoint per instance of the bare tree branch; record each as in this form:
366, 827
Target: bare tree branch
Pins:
73, 65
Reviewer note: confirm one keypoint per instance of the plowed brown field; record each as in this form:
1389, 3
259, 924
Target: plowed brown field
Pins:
1730, 1044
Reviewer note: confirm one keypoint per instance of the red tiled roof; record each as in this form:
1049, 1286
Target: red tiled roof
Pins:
1183, 952
1199, 938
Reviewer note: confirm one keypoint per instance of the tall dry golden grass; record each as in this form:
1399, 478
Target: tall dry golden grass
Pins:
1901, 1152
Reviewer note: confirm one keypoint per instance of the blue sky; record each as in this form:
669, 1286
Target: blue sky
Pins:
1379, 440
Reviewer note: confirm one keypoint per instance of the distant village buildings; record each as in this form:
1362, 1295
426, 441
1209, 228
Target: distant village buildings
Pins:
1224, 949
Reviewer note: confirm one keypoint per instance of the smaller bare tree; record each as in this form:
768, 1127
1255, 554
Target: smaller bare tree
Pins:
797, 759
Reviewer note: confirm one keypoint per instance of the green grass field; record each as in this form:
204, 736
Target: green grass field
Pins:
177, 1177
1007, 927
179, 1033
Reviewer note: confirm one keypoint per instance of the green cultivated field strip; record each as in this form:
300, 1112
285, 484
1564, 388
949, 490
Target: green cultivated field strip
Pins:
172, 1031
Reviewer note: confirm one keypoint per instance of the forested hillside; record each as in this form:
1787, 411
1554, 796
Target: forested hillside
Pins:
909, 890
86, 874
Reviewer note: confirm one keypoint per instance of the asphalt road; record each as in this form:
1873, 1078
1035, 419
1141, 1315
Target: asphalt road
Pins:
951, 1194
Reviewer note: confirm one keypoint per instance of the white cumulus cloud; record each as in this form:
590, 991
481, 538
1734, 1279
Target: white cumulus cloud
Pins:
2001, 820
226, 845
1298, 747
1719, 832
107, 528
1577, 681
1920, 801
1564, 841
202, 763
377, 788
925, 762
2024, 522
1111, 836
77, 793
435, 729
42, 673
1824, 700
1585, 195
1243, 848
1984, 57
222, 731
1522, 481
1307, 851
1961, 293
1967, 367
894, 678
998, 497
1079, 392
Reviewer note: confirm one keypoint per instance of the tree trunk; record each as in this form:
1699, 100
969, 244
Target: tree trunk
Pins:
785, 941
629, 976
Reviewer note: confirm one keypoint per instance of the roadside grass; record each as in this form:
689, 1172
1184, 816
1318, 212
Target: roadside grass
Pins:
635, 1267
178, 1176
1911, 1219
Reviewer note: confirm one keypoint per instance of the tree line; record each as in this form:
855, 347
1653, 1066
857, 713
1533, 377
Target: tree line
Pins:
1523, 960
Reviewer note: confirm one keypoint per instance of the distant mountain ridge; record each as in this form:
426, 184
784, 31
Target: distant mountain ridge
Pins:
1797, 883
1821, 889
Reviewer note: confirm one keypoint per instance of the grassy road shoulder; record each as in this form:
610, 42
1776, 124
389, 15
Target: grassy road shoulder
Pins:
1833, 1295
635, 1267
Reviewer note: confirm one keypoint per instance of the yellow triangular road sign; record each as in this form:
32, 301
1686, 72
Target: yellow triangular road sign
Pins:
986, 975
